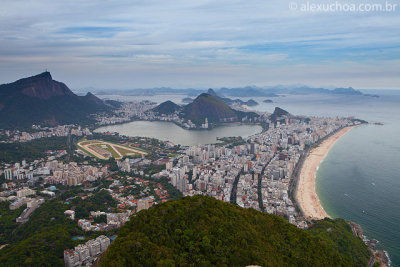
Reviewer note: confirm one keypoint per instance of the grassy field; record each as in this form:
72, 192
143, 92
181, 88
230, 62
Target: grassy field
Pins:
117, 151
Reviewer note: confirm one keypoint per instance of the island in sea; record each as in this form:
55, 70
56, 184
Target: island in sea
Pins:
67, 192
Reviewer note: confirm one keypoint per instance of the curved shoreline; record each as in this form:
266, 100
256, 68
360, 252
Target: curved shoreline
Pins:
306, 195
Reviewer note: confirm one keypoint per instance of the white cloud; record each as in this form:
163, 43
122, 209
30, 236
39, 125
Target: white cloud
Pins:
194, 43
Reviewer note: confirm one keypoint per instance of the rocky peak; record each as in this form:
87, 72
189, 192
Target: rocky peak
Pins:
43, 86
91, 97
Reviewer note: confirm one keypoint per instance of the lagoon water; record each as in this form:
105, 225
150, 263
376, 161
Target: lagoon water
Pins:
169, 131
359, 180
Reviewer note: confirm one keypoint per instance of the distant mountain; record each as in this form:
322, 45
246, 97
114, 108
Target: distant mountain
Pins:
278, 113
229, 101
246, 92
212, 92
41, 100
210, 107
274, 91
251, 103
167, 108
187, 100
214, 109
346, 91
203, 231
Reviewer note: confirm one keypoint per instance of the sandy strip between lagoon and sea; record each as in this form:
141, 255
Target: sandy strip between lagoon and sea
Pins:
306, 194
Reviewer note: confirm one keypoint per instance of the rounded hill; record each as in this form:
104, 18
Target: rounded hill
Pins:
203, 231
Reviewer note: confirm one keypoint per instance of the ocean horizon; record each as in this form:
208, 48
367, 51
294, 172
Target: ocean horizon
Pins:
357, 180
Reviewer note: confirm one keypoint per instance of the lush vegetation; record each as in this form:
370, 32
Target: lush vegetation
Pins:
100, 201
167, 108
42, 240
212, 108
7, 221
202, 231
35, 149
173, 192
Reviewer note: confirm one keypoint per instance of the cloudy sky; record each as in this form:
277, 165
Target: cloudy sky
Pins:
128, 44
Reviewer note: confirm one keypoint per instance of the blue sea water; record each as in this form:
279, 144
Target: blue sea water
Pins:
359, 180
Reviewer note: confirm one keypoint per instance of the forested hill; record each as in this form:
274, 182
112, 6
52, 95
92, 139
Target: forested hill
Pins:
203, 231
41, 100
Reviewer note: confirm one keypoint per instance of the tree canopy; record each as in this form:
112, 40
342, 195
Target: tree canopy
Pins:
203, 231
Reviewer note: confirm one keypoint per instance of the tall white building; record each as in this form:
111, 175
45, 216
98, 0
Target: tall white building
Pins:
8, 174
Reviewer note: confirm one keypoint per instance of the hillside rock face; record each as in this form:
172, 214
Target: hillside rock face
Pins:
41, 100
42, 86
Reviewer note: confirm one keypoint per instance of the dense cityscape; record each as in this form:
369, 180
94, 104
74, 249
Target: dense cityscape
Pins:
199, 133
257, 172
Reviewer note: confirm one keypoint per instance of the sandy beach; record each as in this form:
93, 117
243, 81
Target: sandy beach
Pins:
306, 194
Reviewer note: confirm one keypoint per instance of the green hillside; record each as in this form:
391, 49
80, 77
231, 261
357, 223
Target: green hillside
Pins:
167, 108
202, 231
208, 106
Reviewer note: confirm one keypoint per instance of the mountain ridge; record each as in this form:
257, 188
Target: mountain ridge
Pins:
204, 106
167, 108
246, 91
41, 100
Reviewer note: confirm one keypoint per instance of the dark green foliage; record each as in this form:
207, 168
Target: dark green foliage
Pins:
100, 219
15, 152
167, 108
214, 109
42, 240
202, 231
7, 221
207, 106
100, 201
39, 249
112, 164
153, 169
338, 235
69, 192
172, 191
44, 218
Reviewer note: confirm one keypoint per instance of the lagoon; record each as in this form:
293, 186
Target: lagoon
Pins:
168, 131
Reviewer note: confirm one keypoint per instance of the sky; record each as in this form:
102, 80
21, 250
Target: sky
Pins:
109, 44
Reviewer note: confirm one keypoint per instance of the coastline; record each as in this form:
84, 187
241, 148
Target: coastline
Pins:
306, 195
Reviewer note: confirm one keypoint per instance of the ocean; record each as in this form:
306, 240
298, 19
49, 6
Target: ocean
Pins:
359, 180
